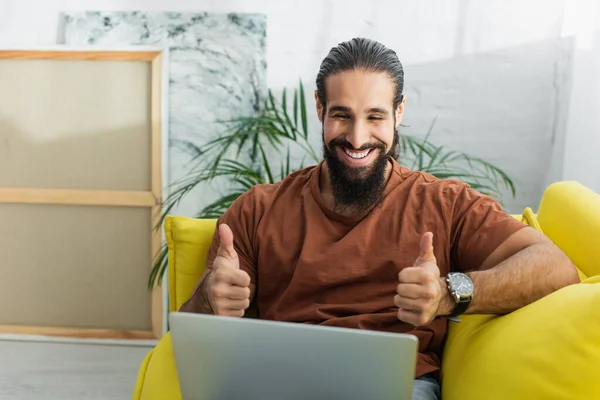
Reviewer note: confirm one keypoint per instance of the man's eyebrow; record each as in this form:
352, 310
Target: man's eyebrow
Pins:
340, 109
378, 110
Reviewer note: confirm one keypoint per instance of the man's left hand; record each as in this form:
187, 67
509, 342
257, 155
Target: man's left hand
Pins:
421, 292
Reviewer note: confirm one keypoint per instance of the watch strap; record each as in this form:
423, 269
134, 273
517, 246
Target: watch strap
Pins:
460, 309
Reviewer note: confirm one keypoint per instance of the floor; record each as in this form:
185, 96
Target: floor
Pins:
35, 368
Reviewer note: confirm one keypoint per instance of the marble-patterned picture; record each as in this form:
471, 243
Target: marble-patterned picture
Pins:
217, 71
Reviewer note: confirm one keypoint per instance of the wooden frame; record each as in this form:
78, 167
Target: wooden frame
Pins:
119, 198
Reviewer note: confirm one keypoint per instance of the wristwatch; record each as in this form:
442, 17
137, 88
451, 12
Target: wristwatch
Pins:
461, 289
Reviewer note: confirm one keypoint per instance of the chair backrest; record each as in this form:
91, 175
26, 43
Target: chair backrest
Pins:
569, 214
188, 240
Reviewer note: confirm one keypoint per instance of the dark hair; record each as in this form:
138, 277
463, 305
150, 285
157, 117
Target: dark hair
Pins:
361, 54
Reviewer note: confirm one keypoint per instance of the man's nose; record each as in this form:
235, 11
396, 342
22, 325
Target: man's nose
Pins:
357, 135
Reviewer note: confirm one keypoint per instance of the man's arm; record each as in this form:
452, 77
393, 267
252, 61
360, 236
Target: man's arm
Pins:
524, 268
199, 302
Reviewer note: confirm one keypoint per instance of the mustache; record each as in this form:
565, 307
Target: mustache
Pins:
367, 146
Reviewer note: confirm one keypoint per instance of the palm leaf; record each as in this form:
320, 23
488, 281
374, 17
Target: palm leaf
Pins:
160, 266
285, 167
295, 107
286, 114
266, 166
303, 111
283, 127
423, 149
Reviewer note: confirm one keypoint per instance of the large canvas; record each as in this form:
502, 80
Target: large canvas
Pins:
80, 172
217, 72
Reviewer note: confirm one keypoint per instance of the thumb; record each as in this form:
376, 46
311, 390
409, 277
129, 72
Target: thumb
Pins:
426, 249
226, 249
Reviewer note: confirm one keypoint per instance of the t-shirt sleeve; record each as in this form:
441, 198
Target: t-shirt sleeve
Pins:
479, 226
241, 218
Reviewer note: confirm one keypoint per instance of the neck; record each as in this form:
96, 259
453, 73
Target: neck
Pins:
327, 192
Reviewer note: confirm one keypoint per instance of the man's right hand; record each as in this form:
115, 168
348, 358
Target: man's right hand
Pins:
229, 289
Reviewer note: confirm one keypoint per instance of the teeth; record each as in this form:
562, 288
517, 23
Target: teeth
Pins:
356, 154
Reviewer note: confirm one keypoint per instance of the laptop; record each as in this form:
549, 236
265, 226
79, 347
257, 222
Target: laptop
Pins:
227, 358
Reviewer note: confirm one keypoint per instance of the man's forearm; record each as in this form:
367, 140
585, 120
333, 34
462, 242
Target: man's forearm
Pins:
527, 276
199, 300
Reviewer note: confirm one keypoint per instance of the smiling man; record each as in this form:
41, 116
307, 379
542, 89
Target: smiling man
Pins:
359, 241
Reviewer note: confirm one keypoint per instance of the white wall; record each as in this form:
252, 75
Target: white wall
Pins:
582, 145
497, 74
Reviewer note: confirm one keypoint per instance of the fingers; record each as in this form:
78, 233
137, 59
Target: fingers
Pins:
233, 305
230, 300
416, 305
415, 291
418, 312
413, 318
230, 292
423, 274
230, 276
231, 313
426, 249
226, 249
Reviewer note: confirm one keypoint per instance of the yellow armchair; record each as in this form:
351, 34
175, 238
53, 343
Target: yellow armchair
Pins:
547, 350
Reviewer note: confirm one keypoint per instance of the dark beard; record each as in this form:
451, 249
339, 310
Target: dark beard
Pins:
355, 189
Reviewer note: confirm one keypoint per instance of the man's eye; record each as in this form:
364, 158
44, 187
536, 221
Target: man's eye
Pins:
376, 118
340, 116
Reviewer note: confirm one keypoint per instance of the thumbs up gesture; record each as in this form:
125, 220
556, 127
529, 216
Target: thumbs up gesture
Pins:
229, 292
420, 289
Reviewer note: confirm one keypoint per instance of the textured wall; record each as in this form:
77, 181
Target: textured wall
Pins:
497, 74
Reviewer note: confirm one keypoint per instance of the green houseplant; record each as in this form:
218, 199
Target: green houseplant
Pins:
240, 157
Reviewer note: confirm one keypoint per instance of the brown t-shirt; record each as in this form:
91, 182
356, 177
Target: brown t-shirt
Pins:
312, 265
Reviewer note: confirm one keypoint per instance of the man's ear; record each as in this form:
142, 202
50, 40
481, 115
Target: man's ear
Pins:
400, 111
319, 107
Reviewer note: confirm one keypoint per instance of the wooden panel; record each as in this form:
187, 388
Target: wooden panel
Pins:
76, 125
156, 185
156, 129
115, 55
78, 197
75, 267
77, 333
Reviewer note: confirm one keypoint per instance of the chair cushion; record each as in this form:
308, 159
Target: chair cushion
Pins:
188, 240
530, 219
141, 376
160, 379
569, 214
546, 350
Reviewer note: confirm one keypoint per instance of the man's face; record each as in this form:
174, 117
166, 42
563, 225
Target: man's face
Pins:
359, 133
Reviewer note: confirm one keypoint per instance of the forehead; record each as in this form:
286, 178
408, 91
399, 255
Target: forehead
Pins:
359, 89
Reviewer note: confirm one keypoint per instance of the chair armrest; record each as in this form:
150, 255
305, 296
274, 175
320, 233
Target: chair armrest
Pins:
546, 350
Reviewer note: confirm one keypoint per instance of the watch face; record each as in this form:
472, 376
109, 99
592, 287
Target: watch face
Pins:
461, 284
